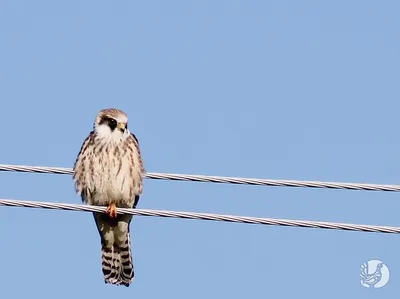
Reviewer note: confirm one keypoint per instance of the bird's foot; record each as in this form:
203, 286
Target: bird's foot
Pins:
112, 210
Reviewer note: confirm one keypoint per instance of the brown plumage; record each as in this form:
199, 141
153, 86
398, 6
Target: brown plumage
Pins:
109, 172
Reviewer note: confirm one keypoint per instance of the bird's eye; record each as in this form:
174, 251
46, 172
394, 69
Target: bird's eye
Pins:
112, 123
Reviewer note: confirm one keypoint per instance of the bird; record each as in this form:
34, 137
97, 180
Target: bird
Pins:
371, 279
109, 172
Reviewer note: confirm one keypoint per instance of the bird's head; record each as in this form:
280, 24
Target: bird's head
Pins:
112, 124
379, 266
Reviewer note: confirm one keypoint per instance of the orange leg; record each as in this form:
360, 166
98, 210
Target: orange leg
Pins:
112, 210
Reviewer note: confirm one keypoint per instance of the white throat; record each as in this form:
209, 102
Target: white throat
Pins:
104, 132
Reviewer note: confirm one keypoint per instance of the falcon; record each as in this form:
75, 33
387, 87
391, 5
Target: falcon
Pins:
109, 172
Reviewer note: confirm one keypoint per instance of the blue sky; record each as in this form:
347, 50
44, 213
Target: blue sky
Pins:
305, 90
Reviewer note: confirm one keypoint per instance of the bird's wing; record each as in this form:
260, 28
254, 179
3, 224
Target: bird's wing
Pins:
371, 279
135, 143
80, 168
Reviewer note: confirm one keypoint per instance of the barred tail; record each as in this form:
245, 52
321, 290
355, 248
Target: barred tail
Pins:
117, 264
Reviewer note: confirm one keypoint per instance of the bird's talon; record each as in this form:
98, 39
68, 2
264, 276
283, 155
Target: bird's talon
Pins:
112, 210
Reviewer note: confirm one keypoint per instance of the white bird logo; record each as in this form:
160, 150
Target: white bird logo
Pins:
371, 279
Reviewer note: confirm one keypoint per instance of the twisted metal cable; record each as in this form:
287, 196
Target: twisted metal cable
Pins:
204, 216
220, 179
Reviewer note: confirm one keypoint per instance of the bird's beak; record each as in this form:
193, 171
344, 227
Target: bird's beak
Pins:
122, 126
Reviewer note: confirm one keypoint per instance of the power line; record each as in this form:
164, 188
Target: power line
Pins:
205, 216
220, 179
